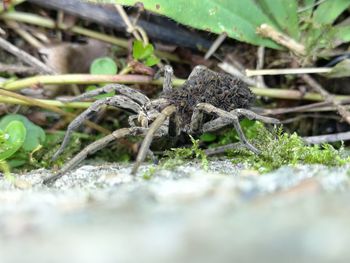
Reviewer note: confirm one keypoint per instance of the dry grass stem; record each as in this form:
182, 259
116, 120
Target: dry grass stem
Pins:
282, 39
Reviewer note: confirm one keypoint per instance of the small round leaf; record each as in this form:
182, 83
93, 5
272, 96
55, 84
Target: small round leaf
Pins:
35, 134
13, 138
103, 66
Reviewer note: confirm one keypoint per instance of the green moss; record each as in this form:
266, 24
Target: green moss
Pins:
278, 148
178, 156
43, 157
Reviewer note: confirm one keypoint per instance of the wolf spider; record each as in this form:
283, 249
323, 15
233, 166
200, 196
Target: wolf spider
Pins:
206, 102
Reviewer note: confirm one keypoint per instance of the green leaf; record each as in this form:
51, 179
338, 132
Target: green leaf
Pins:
103, 66
152, 60
307, 7
140, 51
239, 19
340, 70
35, 135
342, 34
284, 14
12, 139
328, 11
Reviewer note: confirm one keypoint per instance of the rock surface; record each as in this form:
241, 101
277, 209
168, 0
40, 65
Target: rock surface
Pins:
227, 214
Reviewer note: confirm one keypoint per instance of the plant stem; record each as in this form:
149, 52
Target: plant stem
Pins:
272, 93
262, 72
5, 168
140, 79
41, 104
25, 57
82, 79
292, 94
56, 103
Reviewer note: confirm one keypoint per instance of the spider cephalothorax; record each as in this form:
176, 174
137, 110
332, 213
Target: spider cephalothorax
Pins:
206, 102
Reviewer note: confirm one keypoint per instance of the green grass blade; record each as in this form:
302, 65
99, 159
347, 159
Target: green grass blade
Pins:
328, 11
342, 34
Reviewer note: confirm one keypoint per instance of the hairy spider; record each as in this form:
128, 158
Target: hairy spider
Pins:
206, 102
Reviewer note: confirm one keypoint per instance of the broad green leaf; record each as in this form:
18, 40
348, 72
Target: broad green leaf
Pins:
35, 134
239, 19
144, 53
340, 70
306, 8
320, 38
152, 60
328, 11
12, 138
342, 34
104, 65
140, 51
284, 14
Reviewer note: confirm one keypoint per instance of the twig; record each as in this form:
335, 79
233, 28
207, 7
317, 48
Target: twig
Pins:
335, 137
24, 34
25, 57
260, 65
129, 26
221, 38
231, 69
319, 106
261, 72
327, 97
138, 32
17, 69
35, 102
268, 31
308, 115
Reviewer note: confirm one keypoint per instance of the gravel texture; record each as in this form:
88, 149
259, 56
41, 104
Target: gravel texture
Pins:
226, 214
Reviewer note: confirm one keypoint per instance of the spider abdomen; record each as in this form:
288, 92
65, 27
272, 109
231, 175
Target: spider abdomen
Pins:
218, 89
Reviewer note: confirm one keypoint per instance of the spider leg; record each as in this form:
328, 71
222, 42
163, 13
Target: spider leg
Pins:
116, 101
94, 147
168, 73
197, 120
156, 124
132, 119
121, 89
251, 115
222, 122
